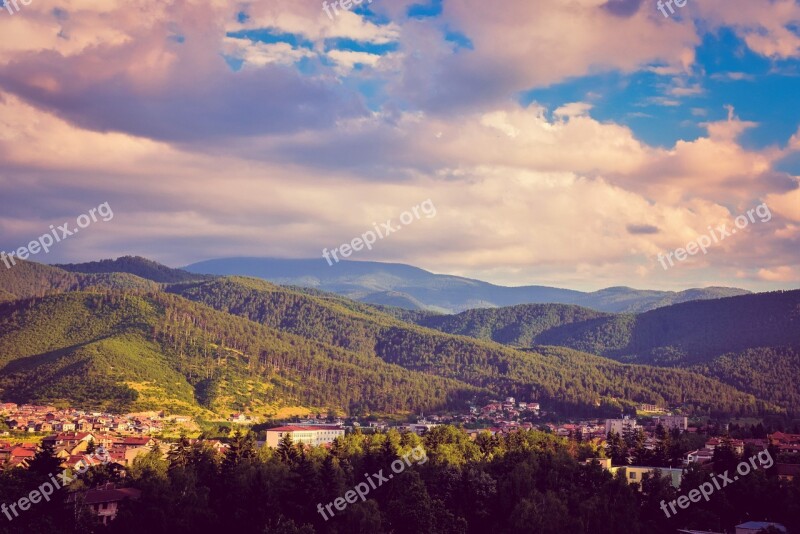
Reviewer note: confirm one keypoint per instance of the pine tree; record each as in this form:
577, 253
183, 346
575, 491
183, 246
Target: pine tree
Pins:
286, 450
45, 462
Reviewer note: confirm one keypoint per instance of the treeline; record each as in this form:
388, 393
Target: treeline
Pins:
521, 483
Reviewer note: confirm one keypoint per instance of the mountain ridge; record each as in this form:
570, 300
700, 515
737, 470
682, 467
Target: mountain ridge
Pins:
406, 286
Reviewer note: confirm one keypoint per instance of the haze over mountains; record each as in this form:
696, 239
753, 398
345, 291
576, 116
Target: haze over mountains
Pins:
405, 286
149, 336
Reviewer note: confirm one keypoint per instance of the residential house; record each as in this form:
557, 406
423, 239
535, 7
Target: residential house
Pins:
104, 501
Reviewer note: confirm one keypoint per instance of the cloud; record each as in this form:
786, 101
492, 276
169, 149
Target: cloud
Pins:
642, 229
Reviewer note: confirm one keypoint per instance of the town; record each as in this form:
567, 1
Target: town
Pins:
635, 444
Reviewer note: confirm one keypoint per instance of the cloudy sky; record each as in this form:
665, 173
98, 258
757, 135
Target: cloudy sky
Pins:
563, 142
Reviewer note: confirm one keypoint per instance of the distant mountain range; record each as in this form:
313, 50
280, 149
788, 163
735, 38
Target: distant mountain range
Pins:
405, 286
132, 334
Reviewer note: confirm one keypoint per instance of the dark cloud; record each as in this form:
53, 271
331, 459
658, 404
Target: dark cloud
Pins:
642, 229
192, 104
622, 8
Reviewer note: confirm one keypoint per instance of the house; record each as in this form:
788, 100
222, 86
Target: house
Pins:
699, 456
72, 442
44, 427
310, 435
736, 444
103, 501
751, 527
779, 438
240, 418
788, 472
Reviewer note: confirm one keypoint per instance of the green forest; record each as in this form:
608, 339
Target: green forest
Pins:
524, 482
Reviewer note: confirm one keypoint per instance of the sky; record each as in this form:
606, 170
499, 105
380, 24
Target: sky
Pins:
562, 143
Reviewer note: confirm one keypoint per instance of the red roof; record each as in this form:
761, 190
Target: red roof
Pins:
19, 452
136, 441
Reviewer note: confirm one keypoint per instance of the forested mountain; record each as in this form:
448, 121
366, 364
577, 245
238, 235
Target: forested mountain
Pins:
688, 333
27, 279
232, 343
393, 284
135, 265
565, 378
750, 342
119, 351
518, 326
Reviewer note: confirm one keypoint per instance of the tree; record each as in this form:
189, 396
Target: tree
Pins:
179, 454
287, 452
45, 462
617, 449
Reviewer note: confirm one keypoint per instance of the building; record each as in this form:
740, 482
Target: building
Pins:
788, 472
621, 426
635, 473
788, 443
699, 456
311, 435
681, 422
104, 501
650, 408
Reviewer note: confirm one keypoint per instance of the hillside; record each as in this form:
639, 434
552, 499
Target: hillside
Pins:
577, 383
688, 333
393, 284
121, 352
750, 342
518, 326
27, 279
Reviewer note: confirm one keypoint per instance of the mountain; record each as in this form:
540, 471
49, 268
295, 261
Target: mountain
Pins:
562, 378
123, 352
393, 284
27, 279
224, 344
751, 342
135, 265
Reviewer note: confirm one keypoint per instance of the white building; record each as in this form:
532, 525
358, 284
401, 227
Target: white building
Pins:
681, 422
311, 435
621, 426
